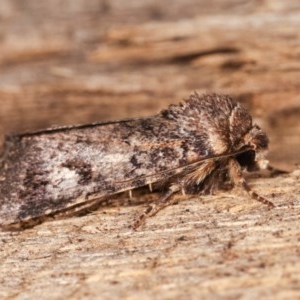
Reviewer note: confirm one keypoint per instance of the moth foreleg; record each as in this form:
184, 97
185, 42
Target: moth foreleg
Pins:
153, 209
238, 179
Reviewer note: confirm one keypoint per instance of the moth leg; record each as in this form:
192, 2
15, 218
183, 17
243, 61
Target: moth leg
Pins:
76, 210
238, 179
154, 208
130, 194
150, 187
275, 172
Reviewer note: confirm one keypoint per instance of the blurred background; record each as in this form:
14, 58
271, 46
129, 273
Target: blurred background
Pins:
76, 61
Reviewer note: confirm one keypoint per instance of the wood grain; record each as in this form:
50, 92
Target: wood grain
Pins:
85, 61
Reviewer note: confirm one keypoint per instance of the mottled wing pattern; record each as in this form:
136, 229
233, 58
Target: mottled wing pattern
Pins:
49, 171
53, 170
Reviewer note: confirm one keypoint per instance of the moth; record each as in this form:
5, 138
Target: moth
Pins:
195, 147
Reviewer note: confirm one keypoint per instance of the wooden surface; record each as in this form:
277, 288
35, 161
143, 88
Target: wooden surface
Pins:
82, 61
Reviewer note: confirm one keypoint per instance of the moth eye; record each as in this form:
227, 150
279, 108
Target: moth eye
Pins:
246, 159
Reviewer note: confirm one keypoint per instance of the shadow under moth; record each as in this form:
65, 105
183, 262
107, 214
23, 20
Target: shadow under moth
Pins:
194, 147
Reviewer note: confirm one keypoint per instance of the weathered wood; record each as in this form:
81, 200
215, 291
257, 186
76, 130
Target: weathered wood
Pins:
90, 61
225, 245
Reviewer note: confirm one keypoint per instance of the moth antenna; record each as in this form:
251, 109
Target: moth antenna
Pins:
185, 167
238, 179
163, 173
154, 208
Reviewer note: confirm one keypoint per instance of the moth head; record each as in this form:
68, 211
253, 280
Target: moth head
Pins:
256, 145
256, 139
